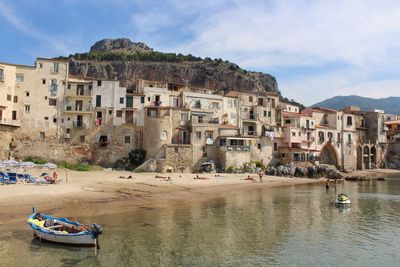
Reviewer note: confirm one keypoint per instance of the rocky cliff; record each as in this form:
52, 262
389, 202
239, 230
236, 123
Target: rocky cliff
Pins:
128, 61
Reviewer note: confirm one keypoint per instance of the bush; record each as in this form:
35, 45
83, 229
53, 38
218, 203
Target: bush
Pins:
35, 160
135, 158
260, 164
75, 166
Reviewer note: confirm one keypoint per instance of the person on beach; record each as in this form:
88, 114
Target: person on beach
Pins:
335, 184
55, 176
260, 175
327, 184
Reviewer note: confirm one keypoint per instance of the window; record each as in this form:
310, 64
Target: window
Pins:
204, 152
183, 116
98, 83
110, 112
119, 113
54, 120
265, 113
148, 99
215, 105
259, 146
27, 108
43, 81
42, 135
9, 97
121, 100
330, 135
275, 146
250, 99
293, 134
68, 86
349, 138
1, 74
338, 138
45, 98
55, 67
40, 65
287, 121
80, 89
46, 118
198, 135
52, 102
209, 135
27, 93
19, 78
269, 114
142, 99
82, 138
349, 121
299, 134
129, 102
90, 87
15, 99
68, 130
127, 139
321, 136
98, 100
176, 150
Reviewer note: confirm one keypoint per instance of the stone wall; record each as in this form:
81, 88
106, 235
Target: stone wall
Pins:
179, 157
5, 141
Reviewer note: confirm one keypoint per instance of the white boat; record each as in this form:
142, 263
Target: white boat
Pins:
64, 231
343, 200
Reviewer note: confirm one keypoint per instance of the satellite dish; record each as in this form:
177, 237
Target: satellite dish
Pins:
209, 141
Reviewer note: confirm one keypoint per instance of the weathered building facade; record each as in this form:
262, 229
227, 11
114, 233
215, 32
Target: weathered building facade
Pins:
180, 126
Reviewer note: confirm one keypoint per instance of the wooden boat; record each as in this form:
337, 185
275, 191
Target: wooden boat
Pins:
64, 231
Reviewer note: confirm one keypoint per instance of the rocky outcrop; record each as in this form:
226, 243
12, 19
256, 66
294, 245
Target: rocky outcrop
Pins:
119, 45
213, 74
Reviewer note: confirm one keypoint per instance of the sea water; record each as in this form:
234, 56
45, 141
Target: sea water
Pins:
285, 226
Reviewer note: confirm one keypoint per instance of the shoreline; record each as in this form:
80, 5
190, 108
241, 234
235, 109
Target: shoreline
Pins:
103, 192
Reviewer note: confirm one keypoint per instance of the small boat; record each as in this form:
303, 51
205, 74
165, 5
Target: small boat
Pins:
343, 200
64, 231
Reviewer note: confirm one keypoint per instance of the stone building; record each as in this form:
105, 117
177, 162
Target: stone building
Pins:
48, 113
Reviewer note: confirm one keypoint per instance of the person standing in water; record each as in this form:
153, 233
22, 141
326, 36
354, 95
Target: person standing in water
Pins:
260, 175
327, 184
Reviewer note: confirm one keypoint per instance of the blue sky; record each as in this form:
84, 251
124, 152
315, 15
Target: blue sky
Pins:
315, 49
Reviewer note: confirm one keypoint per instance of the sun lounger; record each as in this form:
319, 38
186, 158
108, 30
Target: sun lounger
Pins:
12, 177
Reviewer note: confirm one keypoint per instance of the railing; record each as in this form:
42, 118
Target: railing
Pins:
249, 117
196, 120
84, 108
238, 148
79, 124
5, 121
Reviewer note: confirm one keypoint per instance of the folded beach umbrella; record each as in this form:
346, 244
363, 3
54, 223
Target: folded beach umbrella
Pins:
27, 164
10, 162
50, 165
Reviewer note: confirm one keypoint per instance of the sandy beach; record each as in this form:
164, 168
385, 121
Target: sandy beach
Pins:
98, 192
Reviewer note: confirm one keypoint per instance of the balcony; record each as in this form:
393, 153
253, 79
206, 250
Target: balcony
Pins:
238, 148
8, 122
78, 124
78, 109
203, 120
249, 117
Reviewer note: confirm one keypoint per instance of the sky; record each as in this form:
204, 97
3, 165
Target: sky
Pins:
315, 49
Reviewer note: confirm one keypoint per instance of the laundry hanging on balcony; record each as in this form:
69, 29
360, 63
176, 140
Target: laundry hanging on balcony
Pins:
270, 134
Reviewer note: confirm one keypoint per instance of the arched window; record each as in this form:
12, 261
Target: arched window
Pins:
349, 121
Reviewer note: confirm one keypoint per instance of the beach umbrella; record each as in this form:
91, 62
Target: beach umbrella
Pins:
10, 162
27, 164
50, 165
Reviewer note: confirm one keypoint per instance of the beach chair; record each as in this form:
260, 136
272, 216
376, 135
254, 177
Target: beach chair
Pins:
12, 177
5, 178
49, 179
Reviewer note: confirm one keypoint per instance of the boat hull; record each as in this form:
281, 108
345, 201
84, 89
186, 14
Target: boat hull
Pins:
346, 203
81, 240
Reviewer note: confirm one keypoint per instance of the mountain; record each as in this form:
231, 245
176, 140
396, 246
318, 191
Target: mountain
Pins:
128, 61
389, 104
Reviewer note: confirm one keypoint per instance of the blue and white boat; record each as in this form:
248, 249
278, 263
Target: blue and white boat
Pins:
63, 230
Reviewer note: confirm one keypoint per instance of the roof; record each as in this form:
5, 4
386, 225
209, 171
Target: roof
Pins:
322, 109
17, 65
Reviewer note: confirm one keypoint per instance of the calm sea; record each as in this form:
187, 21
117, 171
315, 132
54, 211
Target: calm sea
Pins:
287, 226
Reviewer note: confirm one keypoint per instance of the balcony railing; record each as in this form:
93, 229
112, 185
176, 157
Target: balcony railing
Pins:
238, 148
79, 124
84, 108
5, 121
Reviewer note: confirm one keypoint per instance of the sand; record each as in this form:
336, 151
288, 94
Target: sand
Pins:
99, 192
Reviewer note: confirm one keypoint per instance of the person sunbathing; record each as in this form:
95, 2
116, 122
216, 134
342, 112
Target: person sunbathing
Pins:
200, 178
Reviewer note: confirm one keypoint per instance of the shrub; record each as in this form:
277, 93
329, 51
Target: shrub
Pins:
35, 160
75, 166
135, 158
